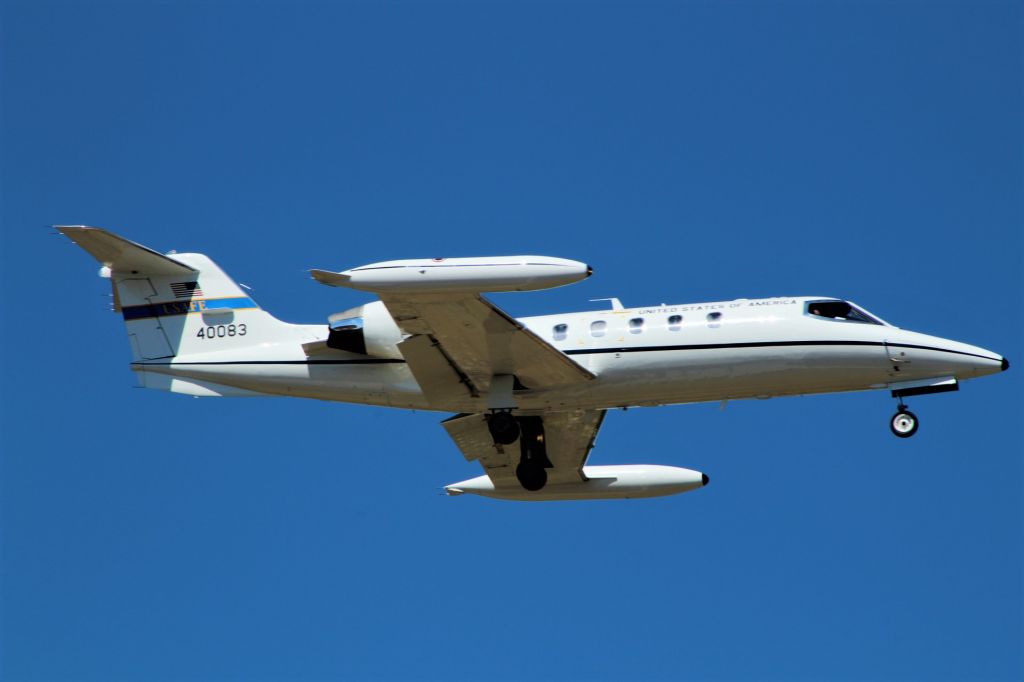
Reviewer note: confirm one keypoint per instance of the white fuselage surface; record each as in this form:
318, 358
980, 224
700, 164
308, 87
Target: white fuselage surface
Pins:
757, 348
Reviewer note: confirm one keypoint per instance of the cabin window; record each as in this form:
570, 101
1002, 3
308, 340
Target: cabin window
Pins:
675, 323
560, 332
636, 325
840, 310
714, 319
598, 328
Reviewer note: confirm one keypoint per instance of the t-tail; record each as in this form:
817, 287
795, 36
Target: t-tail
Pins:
179, 306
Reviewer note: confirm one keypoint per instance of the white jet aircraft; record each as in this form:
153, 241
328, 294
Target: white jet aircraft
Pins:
530, 394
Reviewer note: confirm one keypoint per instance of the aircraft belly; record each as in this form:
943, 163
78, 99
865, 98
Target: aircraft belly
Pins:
386, 384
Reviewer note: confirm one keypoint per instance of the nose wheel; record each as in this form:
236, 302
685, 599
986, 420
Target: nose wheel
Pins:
904, 423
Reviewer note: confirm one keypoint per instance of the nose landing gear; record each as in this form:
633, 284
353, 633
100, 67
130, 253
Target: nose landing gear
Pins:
904, 423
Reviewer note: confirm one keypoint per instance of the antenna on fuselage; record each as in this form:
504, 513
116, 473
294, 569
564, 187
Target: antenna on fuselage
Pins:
616, 303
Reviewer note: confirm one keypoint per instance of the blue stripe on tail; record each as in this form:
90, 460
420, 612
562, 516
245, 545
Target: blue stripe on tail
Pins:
172, 308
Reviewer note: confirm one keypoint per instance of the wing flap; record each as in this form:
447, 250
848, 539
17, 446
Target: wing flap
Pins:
439, 378
570, 436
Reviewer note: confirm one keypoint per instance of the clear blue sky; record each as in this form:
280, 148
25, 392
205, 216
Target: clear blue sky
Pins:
689, 151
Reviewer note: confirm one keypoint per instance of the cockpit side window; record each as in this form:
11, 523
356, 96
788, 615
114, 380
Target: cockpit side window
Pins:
841, 311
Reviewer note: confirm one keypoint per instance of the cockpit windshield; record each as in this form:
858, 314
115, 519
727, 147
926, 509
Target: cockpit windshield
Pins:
843, 311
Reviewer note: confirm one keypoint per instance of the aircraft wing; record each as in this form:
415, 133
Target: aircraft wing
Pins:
568, 438
459, 341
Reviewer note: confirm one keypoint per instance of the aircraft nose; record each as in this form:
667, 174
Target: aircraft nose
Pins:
938, 356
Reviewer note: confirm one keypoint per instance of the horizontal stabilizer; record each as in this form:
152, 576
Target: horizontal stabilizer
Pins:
121, 255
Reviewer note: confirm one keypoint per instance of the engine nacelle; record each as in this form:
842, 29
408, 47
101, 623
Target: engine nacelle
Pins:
603, 483
367, 330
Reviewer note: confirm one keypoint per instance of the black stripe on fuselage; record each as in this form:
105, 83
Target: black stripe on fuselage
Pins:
765, 344
595, 351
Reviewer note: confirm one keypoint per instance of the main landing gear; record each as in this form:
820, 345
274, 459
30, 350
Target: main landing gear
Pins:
904, 423
531, 476
532, 471
505, 428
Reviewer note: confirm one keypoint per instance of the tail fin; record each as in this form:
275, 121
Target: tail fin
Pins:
178, 304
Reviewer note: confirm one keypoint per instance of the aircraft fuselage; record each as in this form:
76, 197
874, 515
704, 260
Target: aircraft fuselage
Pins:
758, 348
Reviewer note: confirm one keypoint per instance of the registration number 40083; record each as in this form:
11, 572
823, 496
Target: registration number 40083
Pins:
219, 331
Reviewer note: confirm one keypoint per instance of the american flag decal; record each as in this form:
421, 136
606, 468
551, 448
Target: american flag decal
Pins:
186, 289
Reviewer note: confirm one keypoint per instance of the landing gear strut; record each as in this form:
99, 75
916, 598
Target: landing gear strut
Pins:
533, 463
504, 427
904, 423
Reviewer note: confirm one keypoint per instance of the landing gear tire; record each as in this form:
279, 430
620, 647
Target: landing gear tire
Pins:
504, 428
904, 424
531, 476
